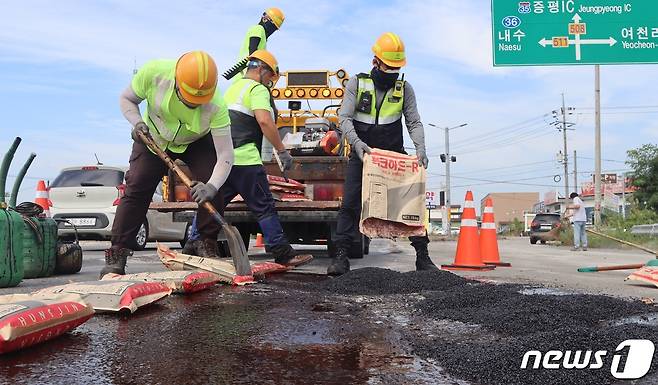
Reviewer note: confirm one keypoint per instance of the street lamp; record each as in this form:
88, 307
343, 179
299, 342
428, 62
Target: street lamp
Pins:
447, 159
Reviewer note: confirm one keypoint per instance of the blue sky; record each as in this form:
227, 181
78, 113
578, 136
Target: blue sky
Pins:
63, 65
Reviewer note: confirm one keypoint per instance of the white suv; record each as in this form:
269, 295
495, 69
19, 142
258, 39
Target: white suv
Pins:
88, 197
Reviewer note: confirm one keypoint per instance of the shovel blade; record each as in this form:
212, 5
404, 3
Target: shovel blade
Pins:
237, 250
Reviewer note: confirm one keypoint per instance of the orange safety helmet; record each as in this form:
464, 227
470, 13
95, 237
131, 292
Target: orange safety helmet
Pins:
196, 77
389, 48
267, 58
276, 15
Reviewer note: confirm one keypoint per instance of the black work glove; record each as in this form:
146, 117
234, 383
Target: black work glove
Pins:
141, 126
361, 149
423, 161
203, 192
286, 159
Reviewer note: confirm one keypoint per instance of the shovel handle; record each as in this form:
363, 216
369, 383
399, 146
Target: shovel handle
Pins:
278, 160
623, 242
594, 269
147, 139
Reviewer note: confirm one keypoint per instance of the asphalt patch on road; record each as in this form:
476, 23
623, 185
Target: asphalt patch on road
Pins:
499, 363
517, 323
378, 281
511, 322
502, 309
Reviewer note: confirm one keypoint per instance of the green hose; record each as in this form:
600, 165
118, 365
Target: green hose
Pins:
4, 168
19, 180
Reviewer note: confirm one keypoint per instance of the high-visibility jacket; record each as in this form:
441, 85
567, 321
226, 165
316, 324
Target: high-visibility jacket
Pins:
381, 127
242, 98
172, 124
254, 31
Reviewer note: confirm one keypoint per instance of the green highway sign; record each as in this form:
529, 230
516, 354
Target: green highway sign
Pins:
565, 32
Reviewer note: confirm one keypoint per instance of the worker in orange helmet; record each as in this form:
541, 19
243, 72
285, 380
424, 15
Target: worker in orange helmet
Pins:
256, 38
252, 118
187, 118
371, 117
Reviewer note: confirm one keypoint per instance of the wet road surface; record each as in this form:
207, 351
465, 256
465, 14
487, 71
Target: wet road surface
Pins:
261, 334
310, 329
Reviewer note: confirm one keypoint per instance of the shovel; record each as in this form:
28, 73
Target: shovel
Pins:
235, 243
283, 170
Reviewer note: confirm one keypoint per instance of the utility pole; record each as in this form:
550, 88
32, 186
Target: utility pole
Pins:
597, 146
563, 125
623, 195
575, 171
566, 158
447, 223
447, 159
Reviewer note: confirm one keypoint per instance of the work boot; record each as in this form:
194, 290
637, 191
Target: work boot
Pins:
206, 248
190, 247
423, 261
340, 264
287, 256
115, 261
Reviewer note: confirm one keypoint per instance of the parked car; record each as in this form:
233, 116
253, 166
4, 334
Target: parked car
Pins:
88, 197
543, 228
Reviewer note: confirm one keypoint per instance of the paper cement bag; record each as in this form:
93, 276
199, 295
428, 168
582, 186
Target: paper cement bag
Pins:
176, 261
393, 196
112, 296
647, 274
26, 320
180, 282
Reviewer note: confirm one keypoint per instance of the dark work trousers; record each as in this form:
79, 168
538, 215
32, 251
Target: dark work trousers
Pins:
146, 171
350, 211
252, 185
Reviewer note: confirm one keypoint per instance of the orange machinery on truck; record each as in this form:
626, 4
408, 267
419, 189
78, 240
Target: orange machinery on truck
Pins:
319, 162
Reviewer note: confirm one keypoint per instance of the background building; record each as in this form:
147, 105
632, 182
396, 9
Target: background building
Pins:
511, 205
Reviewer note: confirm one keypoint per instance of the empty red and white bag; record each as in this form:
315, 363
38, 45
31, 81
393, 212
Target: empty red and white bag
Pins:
26, 320
180, 282
176, 261
113, 296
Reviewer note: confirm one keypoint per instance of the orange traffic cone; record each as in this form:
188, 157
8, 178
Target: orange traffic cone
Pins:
42, 198
488, 239
259, 240
468, 245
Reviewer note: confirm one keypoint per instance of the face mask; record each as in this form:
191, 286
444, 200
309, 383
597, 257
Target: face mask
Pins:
383, 80
391, 71
269, 27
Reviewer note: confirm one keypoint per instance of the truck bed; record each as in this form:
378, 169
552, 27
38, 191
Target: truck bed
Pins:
306, 211
238, 206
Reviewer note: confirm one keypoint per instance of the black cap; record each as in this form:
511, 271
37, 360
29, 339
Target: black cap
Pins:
573, 195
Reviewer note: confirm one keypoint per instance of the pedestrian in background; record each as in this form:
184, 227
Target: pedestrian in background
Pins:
576, 211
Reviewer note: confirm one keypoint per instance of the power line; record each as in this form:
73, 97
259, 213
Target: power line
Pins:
496, 146
502, 129
605, 160
487, 134
508, 167
619, 113
501, 137
617, 107
520, 182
